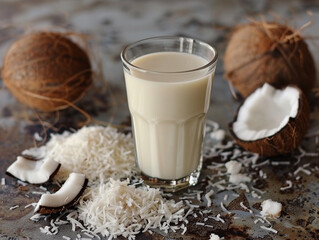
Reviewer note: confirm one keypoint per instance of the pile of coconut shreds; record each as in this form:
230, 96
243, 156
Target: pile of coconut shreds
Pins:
112, 207
93, 151
127, 210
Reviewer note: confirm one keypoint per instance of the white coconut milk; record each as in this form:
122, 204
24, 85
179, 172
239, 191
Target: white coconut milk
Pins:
168, 112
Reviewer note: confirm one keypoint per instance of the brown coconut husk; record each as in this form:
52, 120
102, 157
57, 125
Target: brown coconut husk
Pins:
271, 52
283, 142
47, 71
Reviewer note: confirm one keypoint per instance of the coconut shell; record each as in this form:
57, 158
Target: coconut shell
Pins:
46, 71
268, 52
283, 142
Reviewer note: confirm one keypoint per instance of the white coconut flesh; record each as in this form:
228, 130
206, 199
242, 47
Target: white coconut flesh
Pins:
265, 112
35, 172
65, 195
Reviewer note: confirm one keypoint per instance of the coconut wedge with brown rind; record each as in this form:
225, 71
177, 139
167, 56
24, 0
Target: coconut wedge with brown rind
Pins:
271, 121
33, 171
67, 196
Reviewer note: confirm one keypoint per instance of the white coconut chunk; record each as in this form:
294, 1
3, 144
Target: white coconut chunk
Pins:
239, 178
271, 208
31, 171
214, 237
66, 194
218, 135
233, 167
265, 112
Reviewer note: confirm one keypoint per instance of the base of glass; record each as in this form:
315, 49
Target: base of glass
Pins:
173, 185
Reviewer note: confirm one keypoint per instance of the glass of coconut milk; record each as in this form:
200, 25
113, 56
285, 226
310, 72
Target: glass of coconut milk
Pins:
168, 83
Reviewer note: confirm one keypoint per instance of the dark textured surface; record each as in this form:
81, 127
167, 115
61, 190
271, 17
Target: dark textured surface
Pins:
111, 25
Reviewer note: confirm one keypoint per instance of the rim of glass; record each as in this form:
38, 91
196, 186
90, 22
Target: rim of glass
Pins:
211, 62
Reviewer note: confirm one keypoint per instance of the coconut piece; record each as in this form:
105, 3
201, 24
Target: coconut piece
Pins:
267, 52
233, 167
32, 171
67, 196
271, 121
239, 178
271, 208
214, 236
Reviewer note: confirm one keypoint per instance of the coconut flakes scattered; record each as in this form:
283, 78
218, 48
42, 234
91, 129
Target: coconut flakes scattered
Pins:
3, 181
36, 217
90, 207
218, 135
301, 169
43, 188
269, 229
38, 193
118, 209
92, 150
277, 163
224, 209
226, 197
13, 207
255, 195
289, 185
207, 197
47, 230
31, 205
244, 207
22, 183
217, 218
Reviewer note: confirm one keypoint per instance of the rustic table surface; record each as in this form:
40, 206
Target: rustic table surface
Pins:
112, 24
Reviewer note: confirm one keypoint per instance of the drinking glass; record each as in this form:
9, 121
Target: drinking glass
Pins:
168, 84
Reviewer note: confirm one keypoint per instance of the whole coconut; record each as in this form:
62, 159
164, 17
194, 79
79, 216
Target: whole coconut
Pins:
46, 71
261, 52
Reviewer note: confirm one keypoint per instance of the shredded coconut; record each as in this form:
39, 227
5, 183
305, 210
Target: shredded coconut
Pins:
289, 185
14, 207
207, 197
116, 208
92, 150
31, 205
22, 183
224, 209
269, 229
217, 218
246, 208
301, 169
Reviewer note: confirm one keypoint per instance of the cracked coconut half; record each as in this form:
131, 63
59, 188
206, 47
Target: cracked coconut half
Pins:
271, 121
